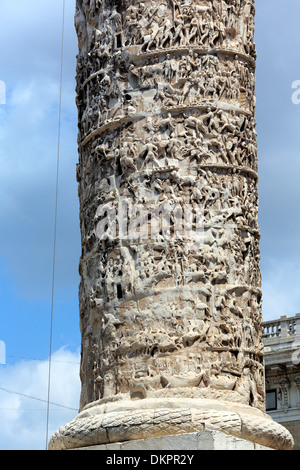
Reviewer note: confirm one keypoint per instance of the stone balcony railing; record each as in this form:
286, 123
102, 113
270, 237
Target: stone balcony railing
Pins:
284, 329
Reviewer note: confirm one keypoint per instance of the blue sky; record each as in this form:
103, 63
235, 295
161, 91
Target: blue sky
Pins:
30, 34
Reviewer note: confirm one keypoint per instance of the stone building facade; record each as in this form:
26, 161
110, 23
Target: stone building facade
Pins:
282, 373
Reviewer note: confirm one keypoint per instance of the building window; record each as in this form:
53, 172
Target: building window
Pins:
271, 400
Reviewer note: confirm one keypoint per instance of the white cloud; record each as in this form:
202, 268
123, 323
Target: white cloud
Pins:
24, 420
30, 68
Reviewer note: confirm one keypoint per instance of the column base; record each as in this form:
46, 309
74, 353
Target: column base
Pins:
203, 440
136, 420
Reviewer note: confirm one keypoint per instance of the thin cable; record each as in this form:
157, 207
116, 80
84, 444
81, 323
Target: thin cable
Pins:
55, 219
35, 398
43, 360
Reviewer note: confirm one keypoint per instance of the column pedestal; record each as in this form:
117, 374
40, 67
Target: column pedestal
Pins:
204, 440
170, 294
101, 425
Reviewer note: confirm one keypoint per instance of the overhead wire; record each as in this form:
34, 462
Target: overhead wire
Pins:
42, 360
55, 219
35, 398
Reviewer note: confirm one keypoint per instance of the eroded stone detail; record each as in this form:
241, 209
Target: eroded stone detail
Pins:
166, 111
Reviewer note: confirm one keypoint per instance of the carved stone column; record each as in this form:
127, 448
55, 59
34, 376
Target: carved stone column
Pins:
170, 299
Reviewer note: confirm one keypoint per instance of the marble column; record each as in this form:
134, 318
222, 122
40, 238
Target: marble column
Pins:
170, 293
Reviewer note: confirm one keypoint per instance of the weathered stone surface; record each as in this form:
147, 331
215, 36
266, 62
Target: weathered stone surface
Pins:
144, 419
204, 440
166, 124
170, 299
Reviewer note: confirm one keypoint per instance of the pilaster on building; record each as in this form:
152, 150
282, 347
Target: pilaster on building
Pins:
282, 372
